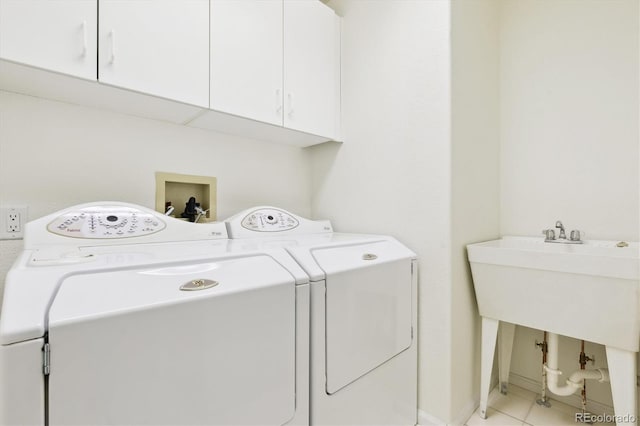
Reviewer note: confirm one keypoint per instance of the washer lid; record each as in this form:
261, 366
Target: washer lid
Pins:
33, 281
218, 354
90, 295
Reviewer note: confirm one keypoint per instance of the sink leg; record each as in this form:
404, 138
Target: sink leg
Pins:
489, 337
622, 372
505, 346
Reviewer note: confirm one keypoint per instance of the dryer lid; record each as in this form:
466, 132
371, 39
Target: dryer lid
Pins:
356, 254
368, 308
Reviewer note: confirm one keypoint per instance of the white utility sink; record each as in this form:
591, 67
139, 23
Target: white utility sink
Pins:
588, 291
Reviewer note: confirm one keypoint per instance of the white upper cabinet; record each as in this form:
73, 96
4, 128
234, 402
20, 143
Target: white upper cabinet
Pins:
55, 35
311, 67
246, 58
265, 69
276, 61
158, 47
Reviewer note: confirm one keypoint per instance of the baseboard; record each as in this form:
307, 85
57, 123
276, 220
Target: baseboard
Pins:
466, 412
426, 419
529, 384
594, 407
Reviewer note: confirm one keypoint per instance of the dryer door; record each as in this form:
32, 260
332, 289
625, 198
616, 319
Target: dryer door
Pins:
368, 307
130, 347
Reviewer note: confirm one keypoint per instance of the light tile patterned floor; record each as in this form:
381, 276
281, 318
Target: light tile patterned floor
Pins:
519, 407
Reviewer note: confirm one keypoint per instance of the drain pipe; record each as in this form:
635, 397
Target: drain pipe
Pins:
576, 380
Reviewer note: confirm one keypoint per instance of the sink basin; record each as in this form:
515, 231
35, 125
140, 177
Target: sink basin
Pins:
588, 291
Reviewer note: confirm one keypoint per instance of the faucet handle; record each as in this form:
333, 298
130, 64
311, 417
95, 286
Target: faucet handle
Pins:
549, 234
574, 235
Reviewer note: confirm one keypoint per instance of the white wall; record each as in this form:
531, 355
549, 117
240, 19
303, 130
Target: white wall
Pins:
420, 161
54, 155
569, 134
549, 86
569, 114
392, 175
475, 184
425, 90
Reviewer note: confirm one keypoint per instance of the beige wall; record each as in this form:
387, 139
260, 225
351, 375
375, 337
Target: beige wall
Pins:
569, 135
54, 155
569, 117
420, 117
392, 175
462, 120
475, 187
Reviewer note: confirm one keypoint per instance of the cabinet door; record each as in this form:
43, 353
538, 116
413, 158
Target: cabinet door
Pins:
310, 67
159, 47
55, 35
246, 58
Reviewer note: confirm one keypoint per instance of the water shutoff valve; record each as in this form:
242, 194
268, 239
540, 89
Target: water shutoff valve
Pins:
584, 358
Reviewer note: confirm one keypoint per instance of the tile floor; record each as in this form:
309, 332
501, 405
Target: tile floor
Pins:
519, 407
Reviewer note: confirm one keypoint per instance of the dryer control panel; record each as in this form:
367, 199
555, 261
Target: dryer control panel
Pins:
106, 222
269, 220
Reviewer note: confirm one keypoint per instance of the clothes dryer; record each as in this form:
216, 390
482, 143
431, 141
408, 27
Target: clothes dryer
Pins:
363, 315
115, 314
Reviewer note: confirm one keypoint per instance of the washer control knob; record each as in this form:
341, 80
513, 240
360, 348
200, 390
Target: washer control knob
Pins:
271, 219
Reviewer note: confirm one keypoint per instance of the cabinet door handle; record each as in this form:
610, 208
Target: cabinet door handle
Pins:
278, 101
84, 39
290, 99
112, 36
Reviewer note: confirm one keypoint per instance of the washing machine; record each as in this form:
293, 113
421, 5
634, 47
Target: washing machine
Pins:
115, 314
363, 315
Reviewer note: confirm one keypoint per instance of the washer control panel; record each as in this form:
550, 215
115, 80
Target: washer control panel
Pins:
269, 220
106, 222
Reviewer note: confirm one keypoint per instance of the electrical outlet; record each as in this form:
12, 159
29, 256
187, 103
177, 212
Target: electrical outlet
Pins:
12, 221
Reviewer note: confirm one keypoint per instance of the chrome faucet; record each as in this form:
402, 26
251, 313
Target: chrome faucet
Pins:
550, 235
562, 235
